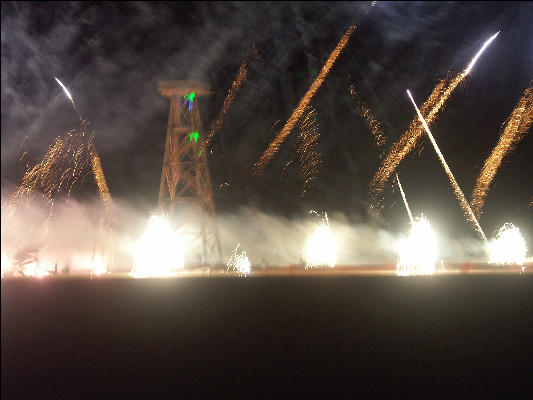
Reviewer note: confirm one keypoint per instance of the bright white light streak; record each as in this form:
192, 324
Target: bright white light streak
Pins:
404, 199
68, 95
64, 88
485, 45
458, 192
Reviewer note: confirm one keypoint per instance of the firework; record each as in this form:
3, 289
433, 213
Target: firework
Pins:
457, 190
35, 270
517, 126
418, 252
69, 96
97, 265
239, 262
404, 199
378, 135
478, 54
101, 183
321, 248
95, 161
308, 155
64, 166
403, 146
160, 251
408, 140
302, 105
374, 126
508, 247
232, 92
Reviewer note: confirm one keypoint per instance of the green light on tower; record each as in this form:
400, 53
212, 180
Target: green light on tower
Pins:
194, 135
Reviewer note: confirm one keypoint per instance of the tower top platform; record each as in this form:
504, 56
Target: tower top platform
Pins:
181, 88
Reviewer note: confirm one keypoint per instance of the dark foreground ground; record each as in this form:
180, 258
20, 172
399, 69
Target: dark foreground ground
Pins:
269, 337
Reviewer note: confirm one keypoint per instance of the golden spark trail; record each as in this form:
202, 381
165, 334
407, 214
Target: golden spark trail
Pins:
302, 105
460, 196
518, 125
405, 200
62, 167
232, 92
403, 146
373, 124
410, 137
95, 161
101, 182
307, 152
377, 133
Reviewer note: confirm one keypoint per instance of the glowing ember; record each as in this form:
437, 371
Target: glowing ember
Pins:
509, 247
239, 262
417, 254
321, 248
159, 252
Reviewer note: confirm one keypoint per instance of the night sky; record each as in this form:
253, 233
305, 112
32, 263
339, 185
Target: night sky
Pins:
111, 56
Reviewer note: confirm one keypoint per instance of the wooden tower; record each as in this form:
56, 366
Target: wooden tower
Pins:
185, 194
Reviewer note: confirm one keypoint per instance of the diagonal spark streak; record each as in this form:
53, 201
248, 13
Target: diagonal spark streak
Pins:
69, 96
409, 139
517, 126
232, 92
457, 190
302, 105
405, 200
379, 136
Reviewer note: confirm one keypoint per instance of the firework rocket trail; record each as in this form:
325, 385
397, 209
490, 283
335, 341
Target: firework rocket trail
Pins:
460, 196
101, 182
410, 137
403, 146
232, 92
405, 200
518, 125
69, 97
372, 122
478, 54
96, 164
302, 105
307, 152
377, 133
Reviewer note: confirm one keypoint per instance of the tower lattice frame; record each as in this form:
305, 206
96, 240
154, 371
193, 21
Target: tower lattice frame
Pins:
185, 193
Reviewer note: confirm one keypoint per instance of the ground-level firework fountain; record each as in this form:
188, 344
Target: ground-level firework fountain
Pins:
417, 253
160, 251
321, 247
508, 247
239, 262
